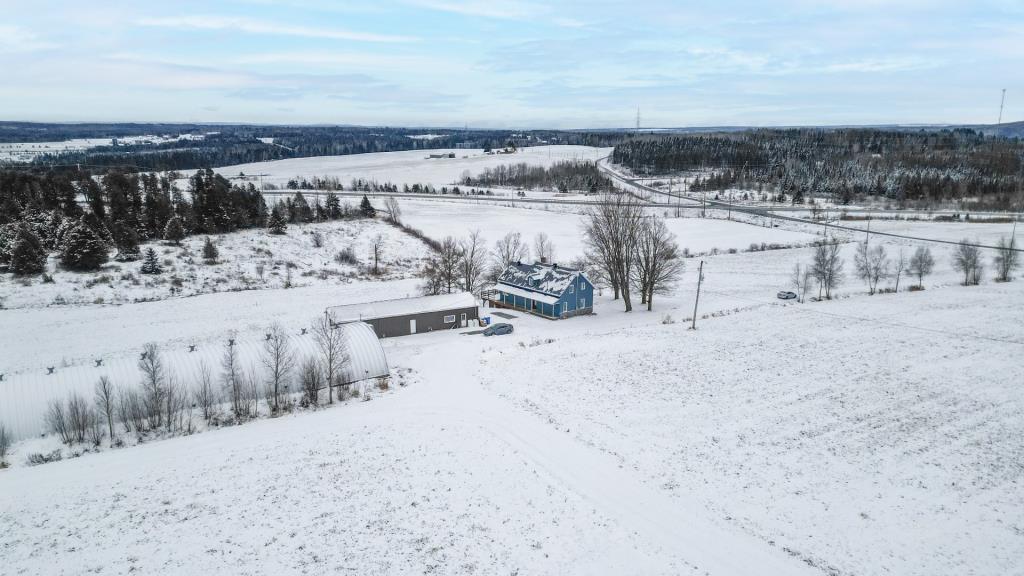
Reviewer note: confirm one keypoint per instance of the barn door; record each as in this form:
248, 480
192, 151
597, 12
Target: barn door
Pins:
412, 326
463, 320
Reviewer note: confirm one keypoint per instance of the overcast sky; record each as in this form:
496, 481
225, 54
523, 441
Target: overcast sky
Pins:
513, 63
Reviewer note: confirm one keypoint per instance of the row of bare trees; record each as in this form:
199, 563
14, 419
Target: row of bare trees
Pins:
467, 265
873, 264
159, 403
628, 249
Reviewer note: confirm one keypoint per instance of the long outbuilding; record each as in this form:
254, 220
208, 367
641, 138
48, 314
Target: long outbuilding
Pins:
406, 316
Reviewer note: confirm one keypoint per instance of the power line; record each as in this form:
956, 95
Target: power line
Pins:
948, 333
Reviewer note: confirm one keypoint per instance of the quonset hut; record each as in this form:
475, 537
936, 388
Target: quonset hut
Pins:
26, 394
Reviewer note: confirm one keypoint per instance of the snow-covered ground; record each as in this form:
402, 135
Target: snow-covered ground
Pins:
868, 435
291, 258
564, 226
408, 167
26, 151
873, 435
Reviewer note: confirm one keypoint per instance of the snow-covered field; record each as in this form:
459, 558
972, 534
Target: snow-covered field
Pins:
868, 435
863, 436
26, 151
248, 260
409, 167
564, 227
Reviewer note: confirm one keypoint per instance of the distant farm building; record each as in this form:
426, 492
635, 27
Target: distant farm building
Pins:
441, 155
406, 316
547, 290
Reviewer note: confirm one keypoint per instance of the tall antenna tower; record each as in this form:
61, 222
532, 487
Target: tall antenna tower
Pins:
1002, 101
638, 119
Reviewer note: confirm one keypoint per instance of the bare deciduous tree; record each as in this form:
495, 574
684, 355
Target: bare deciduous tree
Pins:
79, 417
921, 264
394, 211
106, 403
473, 264
1007, 259
543, 248
871, 264
231, 376
154, 383
967, 259
279, 359
899, 265
377, 248
801, 280
312, 380
657, 262
508, 250
5, 444
206, 394
611, 229
827, 267
57, 421
333, 350
441, 272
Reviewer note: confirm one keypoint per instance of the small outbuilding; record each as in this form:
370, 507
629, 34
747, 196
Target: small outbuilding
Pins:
547, 290
405, 316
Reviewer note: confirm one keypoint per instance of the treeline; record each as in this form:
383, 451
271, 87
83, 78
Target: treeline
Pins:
224, 145
562, 176
915, 169
83, 217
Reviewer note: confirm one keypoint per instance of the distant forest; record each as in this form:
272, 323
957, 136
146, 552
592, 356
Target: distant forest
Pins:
562, 176
923, 169
225, 145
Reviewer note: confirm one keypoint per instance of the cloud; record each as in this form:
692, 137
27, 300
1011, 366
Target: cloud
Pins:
15, 40
251, 26
507, 10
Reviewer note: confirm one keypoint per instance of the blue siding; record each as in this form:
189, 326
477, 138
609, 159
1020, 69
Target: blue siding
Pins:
579, 297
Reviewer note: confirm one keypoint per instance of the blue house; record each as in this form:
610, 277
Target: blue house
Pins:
547, 290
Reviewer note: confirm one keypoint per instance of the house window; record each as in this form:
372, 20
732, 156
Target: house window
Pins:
449, 319
570, 289
583, 303
583, 286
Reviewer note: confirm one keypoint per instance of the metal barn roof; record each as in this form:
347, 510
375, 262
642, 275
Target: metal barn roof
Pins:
550, 279
401, 307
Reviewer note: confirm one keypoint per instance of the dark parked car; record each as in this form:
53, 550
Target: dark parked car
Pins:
498, 329
785, 295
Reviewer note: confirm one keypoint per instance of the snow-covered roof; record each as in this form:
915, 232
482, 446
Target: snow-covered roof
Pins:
401, 307
550, 279
537, 296
366, 356
24, 396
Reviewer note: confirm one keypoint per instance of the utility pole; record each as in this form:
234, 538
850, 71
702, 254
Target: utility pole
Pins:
700, 279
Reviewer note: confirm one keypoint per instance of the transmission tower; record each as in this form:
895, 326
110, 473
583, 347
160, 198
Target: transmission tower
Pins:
1002, 101
638, 119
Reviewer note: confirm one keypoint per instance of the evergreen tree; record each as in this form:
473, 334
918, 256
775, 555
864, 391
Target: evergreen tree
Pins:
151, 264
27, 253
83, 249
276, 223
300, 210
333, 206
210, 252
174, 231
367, 209
126, 240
